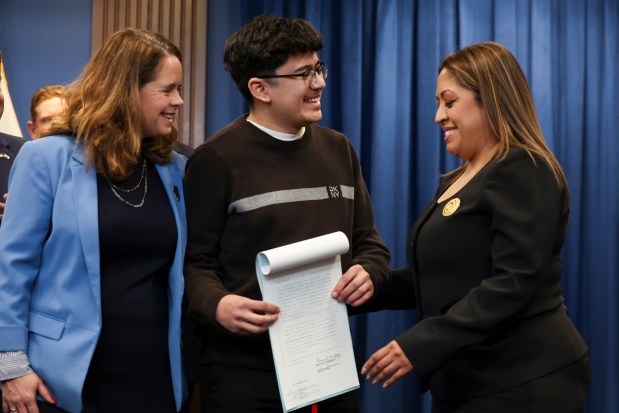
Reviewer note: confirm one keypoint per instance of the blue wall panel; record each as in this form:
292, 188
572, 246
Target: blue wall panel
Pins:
43, 42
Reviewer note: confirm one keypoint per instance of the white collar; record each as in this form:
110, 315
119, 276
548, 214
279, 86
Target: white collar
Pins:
287, 137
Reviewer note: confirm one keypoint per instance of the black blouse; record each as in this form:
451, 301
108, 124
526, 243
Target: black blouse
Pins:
130, 367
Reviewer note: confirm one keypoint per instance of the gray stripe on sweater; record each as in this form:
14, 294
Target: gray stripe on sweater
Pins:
289, 195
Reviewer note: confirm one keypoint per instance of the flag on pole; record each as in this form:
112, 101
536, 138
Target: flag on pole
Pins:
8, 119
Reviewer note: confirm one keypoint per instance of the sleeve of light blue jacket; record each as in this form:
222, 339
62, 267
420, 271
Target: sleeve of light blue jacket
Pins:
13, 364
25, 226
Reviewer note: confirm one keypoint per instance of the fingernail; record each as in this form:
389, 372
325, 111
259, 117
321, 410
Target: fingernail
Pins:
363, 371
385, 386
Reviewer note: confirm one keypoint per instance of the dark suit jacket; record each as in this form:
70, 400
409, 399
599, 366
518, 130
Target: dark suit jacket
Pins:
485, 281
183, 149
9, 147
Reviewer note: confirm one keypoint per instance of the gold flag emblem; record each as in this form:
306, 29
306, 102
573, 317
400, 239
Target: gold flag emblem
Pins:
451, 207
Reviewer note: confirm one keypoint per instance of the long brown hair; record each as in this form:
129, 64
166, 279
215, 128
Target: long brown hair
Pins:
104, 106
493, 74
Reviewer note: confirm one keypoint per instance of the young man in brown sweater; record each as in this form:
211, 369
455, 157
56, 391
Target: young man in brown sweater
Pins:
270, 178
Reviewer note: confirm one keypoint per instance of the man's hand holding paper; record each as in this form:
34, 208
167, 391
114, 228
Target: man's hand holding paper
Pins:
354, 287
243, 315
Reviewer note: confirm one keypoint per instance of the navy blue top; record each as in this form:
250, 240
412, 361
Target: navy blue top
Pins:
130, 366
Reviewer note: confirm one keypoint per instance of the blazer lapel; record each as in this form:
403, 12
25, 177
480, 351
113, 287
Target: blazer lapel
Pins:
6, 161
87, 214
173, 183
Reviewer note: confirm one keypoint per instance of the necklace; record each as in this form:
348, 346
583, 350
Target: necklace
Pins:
139, 183
144, 178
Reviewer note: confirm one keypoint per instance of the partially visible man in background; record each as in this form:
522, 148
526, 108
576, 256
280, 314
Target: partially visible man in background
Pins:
47, 103
9, 146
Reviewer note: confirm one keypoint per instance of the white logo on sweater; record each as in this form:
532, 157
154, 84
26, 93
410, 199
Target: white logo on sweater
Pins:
335, 191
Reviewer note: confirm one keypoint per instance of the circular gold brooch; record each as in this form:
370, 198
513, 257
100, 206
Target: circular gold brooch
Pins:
451, 207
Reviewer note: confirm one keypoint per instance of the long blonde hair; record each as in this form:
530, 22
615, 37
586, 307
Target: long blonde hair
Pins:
104, 107
493, 74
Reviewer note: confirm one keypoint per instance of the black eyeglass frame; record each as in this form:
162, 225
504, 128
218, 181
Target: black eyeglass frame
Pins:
321, 70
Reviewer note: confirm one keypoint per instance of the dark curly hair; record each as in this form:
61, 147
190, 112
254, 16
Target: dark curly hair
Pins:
264, 44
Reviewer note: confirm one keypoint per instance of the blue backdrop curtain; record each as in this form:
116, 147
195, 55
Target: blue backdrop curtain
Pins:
383, 57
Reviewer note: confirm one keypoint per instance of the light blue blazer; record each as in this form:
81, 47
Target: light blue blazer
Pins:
50, 298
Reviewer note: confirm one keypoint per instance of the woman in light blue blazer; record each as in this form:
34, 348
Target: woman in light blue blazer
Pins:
92, 243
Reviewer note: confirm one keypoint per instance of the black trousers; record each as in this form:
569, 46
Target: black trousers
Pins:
48, 408
563, 391
234, 389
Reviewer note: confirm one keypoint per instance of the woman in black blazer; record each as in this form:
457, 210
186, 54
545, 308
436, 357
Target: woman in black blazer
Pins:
492, 332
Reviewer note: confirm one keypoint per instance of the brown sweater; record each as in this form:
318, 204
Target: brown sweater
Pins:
247, 192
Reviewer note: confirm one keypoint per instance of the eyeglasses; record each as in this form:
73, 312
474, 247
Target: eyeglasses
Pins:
309, 76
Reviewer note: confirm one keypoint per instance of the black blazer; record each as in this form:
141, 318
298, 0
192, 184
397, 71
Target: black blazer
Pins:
484, 278
9, 147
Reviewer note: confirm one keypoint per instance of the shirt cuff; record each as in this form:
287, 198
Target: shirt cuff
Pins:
14, 364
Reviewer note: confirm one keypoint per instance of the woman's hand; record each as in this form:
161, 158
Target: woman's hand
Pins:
388, 361
2, 204
20, 394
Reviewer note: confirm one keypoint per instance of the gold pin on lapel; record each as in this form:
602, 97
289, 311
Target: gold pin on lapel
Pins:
4, 155
451, 207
